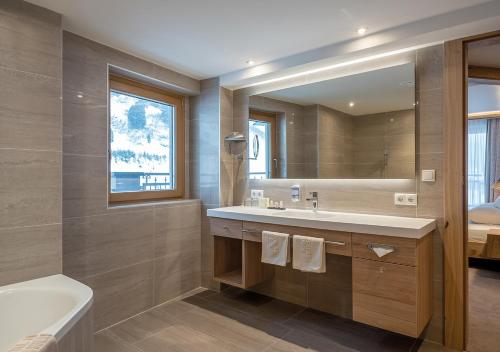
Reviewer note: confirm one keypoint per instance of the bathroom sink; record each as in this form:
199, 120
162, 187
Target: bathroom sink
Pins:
308, 214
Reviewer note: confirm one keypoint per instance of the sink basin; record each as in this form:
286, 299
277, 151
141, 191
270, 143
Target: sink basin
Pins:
309, 214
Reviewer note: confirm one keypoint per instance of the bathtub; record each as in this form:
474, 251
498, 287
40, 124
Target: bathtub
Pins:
49, 305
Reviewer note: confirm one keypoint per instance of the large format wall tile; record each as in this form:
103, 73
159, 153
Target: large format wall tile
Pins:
85, 190
30, 187
121, 293
177, 228
97, 244
29, 252
176, 273
31, 38
30, 111
30, 142
85, 128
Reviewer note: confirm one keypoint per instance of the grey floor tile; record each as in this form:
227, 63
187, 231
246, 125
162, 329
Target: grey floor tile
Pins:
183, 338
255, 304
349, 334
138, 328
235, 320
106, 342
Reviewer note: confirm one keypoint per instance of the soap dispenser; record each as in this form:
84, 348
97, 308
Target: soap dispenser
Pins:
295, 193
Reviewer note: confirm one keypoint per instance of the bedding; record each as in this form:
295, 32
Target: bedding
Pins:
479, 232
488, 213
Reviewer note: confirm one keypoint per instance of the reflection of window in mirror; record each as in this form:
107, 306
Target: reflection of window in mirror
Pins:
262, 154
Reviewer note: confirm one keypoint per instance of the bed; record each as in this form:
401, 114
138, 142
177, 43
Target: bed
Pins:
484, 241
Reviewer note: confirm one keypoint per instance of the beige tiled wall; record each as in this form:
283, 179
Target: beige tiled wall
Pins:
369, 196
30, 142
133, 257
206, 163
375, 134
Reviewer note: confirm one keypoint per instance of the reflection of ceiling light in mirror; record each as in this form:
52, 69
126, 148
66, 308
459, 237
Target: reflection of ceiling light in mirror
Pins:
361, 30
250, 62
337, 65
351, 104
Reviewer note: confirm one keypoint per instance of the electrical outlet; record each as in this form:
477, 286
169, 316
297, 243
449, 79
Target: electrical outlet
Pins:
411, 199
405, 199
256, 193
399, 199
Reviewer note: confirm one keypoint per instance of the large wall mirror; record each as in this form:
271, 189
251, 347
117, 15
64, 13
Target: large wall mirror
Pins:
356, 126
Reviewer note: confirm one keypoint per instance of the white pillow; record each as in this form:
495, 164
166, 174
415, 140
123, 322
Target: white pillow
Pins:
485, 214
497, 203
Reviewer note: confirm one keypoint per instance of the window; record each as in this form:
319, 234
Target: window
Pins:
146, 142
263, 162
476, 162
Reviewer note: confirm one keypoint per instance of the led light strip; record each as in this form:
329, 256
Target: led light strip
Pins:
339, 65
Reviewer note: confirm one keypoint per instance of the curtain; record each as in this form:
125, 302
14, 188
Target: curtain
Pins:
492, 157
476, 162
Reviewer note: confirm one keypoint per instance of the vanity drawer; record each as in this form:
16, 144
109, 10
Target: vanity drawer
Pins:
226, 228
340, 242
405, 249
385, 295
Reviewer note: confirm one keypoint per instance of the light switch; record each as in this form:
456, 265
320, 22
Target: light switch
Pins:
428, 175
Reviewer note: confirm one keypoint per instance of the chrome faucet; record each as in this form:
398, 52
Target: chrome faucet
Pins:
314, 199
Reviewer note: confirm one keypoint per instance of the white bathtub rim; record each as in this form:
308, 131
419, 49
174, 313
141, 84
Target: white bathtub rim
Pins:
60, 283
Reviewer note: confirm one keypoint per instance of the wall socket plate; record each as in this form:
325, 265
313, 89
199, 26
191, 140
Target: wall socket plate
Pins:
405, 199
256, 193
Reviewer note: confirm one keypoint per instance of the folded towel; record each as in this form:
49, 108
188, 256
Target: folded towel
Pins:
382, 251
275, 248
309, 254
37, 343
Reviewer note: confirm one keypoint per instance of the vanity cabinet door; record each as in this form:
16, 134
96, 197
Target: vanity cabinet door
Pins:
385, 295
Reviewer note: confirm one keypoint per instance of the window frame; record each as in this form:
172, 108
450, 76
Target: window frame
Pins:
271, 118
143, 90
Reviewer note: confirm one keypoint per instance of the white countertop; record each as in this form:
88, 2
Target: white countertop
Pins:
349, 222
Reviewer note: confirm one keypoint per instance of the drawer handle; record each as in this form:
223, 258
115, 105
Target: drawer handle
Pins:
335, 243
256, 232
381, 250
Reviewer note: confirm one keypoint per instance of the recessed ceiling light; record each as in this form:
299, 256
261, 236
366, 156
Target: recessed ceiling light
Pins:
351, 104
79, 95
361, 30
250, 62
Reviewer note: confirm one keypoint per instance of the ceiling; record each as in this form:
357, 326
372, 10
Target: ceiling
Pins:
209, 38
388, 89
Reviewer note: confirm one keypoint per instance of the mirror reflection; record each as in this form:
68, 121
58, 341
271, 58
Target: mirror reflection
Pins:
357, 126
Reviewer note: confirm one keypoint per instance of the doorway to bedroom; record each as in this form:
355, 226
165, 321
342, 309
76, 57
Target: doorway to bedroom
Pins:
483, 194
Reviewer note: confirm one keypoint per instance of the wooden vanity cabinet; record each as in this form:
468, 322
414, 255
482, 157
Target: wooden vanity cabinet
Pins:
237, 262
393, 292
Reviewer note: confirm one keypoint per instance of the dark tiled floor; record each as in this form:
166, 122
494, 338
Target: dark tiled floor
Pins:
484, 310
236, 320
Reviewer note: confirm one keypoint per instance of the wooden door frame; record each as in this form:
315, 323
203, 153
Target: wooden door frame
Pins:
455, 187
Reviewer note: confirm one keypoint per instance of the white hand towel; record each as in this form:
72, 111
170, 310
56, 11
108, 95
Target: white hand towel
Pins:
381, 251
275, 248
309, 254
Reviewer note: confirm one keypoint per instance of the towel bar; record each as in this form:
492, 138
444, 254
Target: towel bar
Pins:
335, 243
